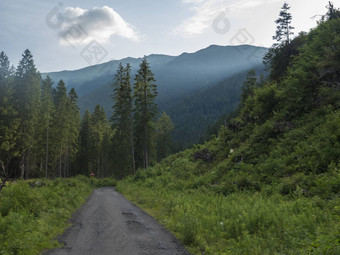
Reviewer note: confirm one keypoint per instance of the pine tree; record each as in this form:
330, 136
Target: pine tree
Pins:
98, 129
85, 144
73, 129
145, 111
27, 94
45, 118
123, 148
60, 127
284, 29
279, 55
9, 121
332, 12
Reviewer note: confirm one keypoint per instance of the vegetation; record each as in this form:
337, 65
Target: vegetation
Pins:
39, 124
33, 213
42, 134
269, 182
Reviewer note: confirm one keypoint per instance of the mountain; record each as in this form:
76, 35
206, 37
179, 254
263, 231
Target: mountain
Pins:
269, 182
183, 79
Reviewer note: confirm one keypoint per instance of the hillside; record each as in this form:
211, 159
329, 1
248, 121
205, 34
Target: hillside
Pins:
181, 83
269, 182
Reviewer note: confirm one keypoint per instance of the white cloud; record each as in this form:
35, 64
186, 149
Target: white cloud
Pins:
81, 26
205, 11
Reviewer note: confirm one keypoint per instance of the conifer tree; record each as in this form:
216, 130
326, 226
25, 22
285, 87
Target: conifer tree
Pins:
284, 29
45, 119
85, 144
73, 128
27, 94
145, 111
60, 127
123, 148
9, 121
98, 129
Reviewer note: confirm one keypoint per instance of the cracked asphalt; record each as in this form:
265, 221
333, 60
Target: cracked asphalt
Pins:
110, 224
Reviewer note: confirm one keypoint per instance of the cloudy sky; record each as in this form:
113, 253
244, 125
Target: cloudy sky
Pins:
70, 34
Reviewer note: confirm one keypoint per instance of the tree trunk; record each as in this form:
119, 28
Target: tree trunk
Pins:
133, 151
60, 163
22, 166
46, 151
27, 164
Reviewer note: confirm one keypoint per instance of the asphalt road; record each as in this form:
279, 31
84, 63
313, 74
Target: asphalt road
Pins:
110, 224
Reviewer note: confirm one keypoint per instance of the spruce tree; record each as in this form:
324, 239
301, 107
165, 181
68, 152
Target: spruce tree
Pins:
123, 148
60, 127
9, 121
73, 129
27, 94
284, 29
45, 119
145, 111
85, 144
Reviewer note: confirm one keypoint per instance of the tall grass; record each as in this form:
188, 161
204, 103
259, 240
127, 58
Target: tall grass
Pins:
33, 213
242, 223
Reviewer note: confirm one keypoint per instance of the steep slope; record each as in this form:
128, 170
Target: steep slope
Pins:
269, 182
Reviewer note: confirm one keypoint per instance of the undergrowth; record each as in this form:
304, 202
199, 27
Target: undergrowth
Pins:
33, 213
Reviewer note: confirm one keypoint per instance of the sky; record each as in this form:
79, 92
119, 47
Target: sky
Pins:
70, 34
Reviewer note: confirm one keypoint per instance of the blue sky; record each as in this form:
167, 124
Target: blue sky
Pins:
61, 34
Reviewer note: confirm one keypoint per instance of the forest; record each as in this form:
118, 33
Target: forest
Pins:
266, 179
43, 135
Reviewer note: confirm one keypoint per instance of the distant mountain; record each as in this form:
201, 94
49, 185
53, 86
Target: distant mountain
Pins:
194, 113
180, 79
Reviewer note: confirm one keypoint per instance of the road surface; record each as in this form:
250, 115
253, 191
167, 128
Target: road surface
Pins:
110, 224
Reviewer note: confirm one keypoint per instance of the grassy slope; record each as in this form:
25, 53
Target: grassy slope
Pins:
273, 184
31, 216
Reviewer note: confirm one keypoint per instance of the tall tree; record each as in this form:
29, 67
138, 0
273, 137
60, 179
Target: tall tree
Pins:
284, 29
27, 94
279, 55
145, 111
99, 127
123, 146
60, 126
45, 118
9, 121
73, 128
332, 12
85, 144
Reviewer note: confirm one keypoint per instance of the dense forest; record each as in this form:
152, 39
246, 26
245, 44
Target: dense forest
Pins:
43, 135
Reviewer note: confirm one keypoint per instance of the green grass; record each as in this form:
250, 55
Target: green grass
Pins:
242, 223
33, 215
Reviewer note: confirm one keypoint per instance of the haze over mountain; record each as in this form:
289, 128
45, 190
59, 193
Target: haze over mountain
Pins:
178, 78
